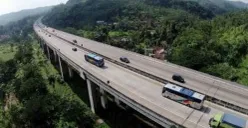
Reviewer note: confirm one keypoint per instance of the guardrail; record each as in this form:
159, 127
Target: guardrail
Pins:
162, 80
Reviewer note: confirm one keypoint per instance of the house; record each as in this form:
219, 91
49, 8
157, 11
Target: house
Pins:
100, 22
159, 53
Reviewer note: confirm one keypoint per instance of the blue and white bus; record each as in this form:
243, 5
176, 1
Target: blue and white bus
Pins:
94, 59
183, 96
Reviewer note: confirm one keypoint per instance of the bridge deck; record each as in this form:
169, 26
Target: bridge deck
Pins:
141, 89
204, 83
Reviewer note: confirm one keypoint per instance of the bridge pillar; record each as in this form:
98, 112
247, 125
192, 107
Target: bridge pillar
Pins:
82, 75
39, 41
61, 68
103, 98
70, 72
117, 101
55, 56
89, 86
42, 46
48, 53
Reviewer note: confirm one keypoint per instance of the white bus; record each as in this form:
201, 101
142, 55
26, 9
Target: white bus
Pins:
94, 59
184, 96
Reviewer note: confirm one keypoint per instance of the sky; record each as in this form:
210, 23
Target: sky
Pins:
7, 6
246, 1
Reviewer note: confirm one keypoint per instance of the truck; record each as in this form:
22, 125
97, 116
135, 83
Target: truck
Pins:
227, 121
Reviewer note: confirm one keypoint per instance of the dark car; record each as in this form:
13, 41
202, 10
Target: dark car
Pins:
75, 41
74, 49
178, 78
124, 59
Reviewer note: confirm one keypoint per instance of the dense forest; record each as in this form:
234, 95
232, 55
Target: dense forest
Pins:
196, 36
31, 98
32, 93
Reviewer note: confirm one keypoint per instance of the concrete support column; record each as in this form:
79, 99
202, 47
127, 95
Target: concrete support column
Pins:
117, 101
103, 98
70, 72
42, 46
89, 86
55, 56
82, 75
48, 52
61, 68
39, 41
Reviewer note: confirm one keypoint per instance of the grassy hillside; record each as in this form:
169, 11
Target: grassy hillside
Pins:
7, 51
34, 93
15, 16
37, 97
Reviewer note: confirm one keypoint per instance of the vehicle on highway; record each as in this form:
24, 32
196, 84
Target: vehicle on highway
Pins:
226, 121
178, 78
184, 96
124, 59
74, 49
94, 59
75, 41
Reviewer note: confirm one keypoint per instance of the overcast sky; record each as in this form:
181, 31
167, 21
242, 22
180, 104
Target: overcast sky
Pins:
246, 1
7, 6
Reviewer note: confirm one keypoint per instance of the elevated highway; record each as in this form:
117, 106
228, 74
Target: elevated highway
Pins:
222, 92
138, 91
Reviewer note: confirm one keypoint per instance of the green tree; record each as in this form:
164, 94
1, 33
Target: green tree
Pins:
223, 70
12, 47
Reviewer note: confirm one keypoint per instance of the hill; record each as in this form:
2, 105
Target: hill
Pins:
15, 16
239, 4
221, 6
17, 31
73, 13
191, 34
76, 13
